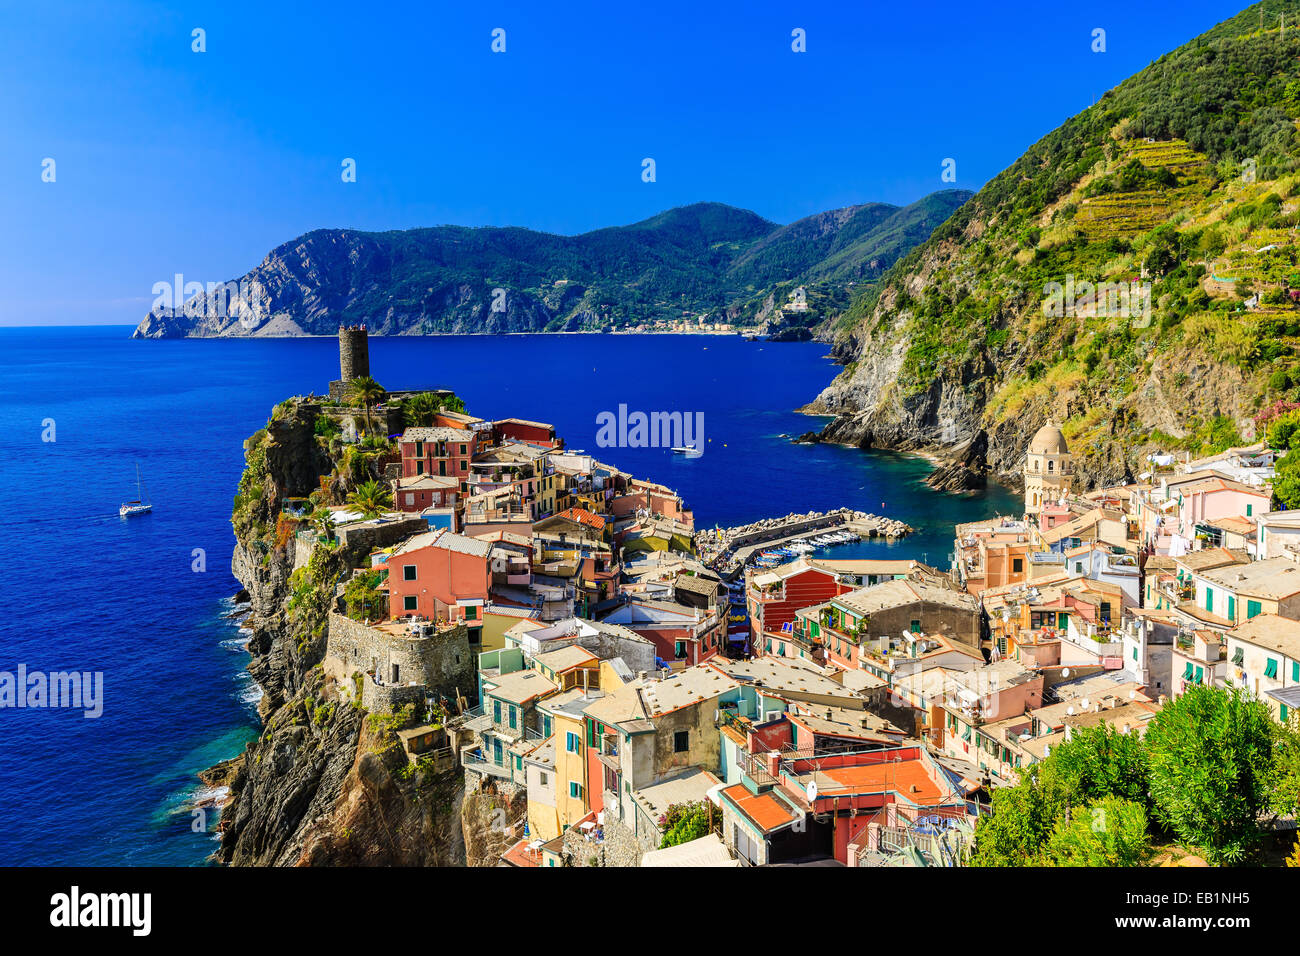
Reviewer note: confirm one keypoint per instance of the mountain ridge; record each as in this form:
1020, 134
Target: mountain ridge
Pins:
701, 259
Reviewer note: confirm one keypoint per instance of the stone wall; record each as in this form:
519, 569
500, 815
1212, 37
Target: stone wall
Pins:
362, 538
438, 665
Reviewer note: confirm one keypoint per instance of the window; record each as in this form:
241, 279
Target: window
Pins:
542, 778
419, 467
1295, 671
1017, 565
410, 498
1200, 673
546, 725
571, 742
575, 790
681, 741
410, 603
1270, 669
1078, 567
514, 717
1252, 608
680, 649
471, 613
1209, 599
1248, 510
462, 450
408, 572
496, 711
915, 626
1105, 612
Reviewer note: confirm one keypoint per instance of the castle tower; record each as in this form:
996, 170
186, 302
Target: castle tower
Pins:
354, 352
1049, 474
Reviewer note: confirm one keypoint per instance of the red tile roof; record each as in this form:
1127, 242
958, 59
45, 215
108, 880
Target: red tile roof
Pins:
583, 516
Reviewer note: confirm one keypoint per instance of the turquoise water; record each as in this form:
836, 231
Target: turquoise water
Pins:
89, 591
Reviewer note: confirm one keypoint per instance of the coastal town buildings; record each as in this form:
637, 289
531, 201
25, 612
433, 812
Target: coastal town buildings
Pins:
603, 665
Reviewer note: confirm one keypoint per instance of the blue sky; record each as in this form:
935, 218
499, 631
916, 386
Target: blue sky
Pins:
171, 161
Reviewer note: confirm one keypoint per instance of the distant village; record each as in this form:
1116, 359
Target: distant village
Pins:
646, 693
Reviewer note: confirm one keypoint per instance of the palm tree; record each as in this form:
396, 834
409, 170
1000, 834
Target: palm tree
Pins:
366, 392
421, 408
322, 519
370, 497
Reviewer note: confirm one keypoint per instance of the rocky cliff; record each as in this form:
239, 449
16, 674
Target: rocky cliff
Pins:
325, 783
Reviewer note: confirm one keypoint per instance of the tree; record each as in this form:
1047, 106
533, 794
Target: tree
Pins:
1097, 762
1211, 764
1285, 799
370, 498
1286, 481
1110, 832
1282, 431
1021, 820
367, 393
322, 520
419, 409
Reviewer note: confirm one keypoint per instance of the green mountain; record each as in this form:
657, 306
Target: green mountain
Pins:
705, 259
1128, 276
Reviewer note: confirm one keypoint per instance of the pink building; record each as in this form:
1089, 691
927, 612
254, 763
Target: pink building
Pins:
1214, 498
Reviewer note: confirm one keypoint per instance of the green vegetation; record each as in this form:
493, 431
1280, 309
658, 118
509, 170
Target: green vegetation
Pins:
1184, 177
365, 392
371, 498
362, 596
685, 822
706, 258
1211, 768
420, 409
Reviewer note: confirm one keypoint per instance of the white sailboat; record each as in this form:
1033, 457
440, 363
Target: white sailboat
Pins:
141, 504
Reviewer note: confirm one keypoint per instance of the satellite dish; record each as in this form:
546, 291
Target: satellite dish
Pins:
1132, 695
812, 791
1065, 672
1069, 711
1084, 703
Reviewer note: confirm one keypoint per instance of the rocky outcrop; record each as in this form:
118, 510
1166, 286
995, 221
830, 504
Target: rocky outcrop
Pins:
490, 821
325, 783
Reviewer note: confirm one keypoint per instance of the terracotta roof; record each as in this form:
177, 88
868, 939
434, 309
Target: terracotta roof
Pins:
582, 516
763, 810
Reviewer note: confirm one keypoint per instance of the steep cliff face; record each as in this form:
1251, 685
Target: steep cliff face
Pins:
1086, 283
325, 783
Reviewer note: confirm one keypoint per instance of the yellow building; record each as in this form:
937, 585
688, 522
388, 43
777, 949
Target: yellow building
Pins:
1049, 473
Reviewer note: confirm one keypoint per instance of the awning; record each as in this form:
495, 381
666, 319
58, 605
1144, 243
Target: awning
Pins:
708, 850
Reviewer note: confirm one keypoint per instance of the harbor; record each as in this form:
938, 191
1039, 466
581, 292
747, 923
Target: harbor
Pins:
773, 541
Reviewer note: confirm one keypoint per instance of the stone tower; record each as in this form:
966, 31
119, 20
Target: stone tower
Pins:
354, 352
1049, 474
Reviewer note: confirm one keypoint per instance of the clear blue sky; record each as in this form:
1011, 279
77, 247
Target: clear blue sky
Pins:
173, 161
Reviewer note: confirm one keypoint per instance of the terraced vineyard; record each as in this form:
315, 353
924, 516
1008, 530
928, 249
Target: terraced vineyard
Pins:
1127, 213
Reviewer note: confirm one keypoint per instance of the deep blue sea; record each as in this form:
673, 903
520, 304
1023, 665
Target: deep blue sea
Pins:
90, 591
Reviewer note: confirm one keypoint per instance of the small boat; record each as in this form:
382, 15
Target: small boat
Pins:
141, 504
690, 451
